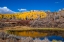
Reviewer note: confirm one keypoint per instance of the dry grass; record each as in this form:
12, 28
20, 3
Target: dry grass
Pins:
20, 28
27, 28
31, 28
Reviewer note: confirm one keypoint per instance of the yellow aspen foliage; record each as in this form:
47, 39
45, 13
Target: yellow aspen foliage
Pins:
0, 16
7, 16
25, 15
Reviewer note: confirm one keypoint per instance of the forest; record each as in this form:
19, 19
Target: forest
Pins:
34, 19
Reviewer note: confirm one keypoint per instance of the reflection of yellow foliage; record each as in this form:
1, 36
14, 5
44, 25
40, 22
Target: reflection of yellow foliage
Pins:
25, 15
32, 34
29, 33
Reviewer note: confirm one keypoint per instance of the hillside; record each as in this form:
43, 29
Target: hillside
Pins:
35, 19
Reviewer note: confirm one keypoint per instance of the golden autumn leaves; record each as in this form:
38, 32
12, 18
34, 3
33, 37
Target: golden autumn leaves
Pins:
24, 15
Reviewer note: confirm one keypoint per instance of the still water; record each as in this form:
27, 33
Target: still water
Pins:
53, 38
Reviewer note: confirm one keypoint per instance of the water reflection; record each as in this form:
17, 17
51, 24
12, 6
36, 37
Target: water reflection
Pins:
52, 39
46, 39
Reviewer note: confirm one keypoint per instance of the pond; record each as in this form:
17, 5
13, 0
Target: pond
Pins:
53, 38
